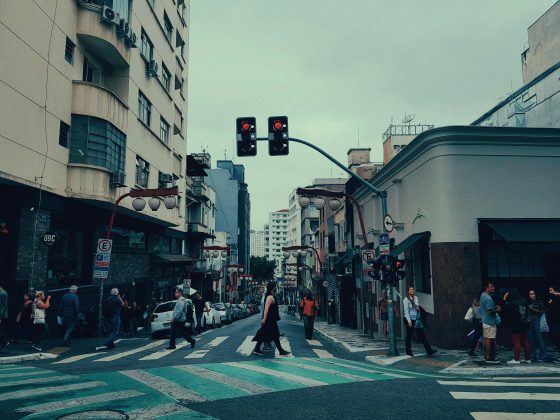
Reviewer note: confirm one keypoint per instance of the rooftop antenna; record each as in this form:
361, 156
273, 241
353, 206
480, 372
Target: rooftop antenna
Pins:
407, 118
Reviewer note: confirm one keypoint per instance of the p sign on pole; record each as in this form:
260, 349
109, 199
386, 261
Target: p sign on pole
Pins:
102, 259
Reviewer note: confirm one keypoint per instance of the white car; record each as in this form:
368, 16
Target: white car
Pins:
210, 317
160, 321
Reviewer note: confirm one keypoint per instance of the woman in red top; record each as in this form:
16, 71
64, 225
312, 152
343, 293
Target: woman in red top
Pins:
309, 305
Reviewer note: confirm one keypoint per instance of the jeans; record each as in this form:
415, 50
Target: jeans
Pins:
113, 330
308, 322
536, 339
419, 333
178, 329
69, 323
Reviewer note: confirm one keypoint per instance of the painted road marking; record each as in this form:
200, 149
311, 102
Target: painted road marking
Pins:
78, 357
109, 397
158, 411
129, 352
164, 352
33, 372
314, 343
325, 370
32, 381
165, 386
285, 343
246, 348
338, 362
504, 384
481, 415
217, 341
278, 374
527, 396
26, 393
322, 353
197, 354
251, 388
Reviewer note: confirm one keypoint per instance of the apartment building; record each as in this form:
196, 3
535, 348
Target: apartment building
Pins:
258, 243
277, 238
93, 105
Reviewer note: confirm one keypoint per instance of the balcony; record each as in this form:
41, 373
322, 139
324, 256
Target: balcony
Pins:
100, 39
97, 101
199, 189
196, 227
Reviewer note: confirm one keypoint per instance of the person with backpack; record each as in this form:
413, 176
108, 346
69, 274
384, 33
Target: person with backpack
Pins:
309, 310
112, 314
183, 313
515, 312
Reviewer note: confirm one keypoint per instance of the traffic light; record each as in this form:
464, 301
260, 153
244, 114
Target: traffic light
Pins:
398, 268
278, 136
246, 136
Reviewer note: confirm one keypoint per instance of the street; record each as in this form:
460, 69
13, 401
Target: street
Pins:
221, 378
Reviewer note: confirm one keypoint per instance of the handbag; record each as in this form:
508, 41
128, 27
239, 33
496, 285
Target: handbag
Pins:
469, 316
544, 324
418, 324
498, 319
38, 315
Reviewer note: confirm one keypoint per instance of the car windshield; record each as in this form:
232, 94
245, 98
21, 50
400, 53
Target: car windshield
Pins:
219, 306
165, 307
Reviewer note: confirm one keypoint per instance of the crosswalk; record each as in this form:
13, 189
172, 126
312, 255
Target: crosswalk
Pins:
536, 392
158, 392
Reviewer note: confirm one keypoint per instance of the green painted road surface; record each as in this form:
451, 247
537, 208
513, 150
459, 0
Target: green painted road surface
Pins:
166, 392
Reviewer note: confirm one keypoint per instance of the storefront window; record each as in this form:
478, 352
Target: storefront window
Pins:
159, 243
128, 239
64, 264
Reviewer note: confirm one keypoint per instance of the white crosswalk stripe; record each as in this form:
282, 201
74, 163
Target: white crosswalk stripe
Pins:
130, 352
246, 348
165, 352
199, 354
26, 393
282, 375
35, 381
323, 354
73, 359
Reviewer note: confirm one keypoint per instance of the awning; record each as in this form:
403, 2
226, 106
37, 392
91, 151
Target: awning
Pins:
173, 258
408, 242
345, 258
526, 230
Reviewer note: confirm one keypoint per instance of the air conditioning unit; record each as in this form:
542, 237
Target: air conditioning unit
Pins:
152, 69
123, 28
108, 15
130, 41
119, 179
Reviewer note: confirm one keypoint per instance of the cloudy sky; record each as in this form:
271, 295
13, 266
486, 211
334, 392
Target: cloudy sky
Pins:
341, 71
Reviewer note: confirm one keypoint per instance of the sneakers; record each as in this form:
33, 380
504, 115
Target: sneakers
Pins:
513, 362
432, 352
258, 353
492, 361
284, 353
36, 347
527, 361
193, 343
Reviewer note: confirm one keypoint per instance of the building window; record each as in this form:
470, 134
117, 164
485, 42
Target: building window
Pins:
144, 109
90, 73
69, 51
165, 77
142, 172
163, 131
146, 46
167, 27
63, 134
421, 266
97, 142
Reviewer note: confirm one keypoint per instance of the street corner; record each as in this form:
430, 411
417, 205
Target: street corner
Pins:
14, 357
470, 367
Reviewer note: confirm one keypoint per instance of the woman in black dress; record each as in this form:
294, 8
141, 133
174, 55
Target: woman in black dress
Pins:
269, 325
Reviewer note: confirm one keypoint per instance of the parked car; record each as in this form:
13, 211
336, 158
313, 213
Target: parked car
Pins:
162, 316
210, 317
225, 312
241, 311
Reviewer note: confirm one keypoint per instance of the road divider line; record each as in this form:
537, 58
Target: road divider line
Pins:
165, 386
130, 352
26, 393
79, 402
526, 396
251, 388
276, 373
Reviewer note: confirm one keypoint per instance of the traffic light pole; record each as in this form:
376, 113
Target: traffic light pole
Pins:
391, 321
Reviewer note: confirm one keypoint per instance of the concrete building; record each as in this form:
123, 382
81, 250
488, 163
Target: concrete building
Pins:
294, 221
258, 243
93, 104
233, 208
277, 238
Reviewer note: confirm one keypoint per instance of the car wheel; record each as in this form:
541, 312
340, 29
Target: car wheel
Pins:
213, 323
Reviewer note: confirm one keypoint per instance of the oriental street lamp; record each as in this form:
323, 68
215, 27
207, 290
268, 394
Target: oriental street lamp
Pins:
211, 253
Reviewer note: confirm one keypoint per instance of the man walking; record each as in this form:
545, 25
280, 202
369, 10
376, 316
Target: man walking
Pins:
490, 321
113, 311
3, 318
69, 309
309, 306
182, 313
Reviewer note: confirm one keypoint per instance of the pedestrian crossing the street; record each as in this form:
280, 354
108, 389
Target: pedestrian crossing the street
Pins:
158, 391
500, 392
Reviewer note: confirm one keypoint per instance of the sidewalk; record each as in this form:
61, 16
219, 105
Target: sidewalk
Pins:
445, 361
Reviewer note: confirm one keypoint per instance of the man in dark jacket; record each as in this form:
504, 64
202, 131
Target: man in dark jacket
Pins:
68, 310
114, 304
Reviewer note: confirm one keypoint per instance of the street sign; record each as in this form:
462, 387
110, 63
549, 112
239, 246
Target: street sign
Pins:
388, 223
49, 238
102, 259
104, 246
384, 247
368, 255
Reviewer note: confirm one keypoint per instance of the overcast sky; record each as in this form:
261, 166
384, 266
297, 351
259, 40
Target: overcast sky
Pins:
341, 71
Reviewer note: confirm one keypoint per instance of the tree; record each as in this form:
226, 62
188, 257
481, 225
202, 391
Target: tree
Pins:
262, 268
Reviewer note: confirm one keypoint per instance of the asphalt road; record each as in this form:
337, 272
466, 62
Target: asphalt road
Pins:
220, 378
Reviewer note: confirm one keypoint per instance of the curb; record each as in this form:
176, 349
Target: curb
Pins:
27, 357
328, 337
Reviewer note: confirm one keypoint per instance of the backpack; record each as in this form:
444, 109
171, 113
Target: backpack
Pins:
189, 312
108, 308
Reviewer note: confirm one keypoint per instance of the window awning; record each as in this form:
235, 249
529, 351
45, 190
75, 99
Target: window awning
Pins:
408, 242
526, 230
345, 258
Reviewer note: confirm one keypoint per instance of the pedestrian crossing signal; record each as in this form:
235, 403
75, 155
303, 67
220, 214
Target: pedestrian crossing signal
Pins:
246, 130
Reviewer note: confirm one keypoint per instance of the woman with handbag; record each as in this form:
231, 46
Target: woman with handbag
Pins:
413, 322
40, 328
535, 311
474, 316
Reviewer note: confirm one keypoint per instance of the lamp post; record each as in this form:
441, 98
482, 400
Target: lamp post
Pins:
138, 204
214, 251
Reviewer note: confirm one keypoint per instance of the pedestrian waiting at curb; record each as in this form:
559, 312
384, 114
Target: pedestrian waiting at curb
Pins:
309, 311
68, 310
40, 327
269, 324
182, 315
490, 321
413, 322
515, 314
535, 315
475, 317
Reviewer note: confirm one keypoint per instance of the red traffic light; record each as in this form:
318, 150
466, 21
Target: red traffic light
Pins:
277, 125
245, 126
